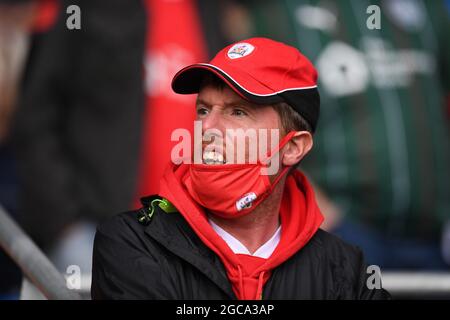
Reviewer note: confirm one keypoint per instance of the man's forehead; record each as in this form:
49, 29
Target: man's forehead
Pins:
225, 96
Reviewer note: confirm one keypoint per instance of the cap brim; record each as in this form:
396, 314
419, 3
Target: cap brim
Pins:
189, 79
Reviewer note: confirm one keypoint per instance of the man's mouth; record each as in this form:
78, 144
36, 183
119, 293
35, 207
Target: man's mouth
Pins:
213, 158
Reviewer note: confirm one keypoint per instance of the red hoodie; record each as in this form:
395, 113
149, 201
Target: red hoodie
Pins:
300, 218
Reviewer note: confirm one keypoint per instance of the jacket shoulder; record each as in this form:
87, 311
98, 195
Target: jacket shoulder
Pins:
126, 263
337, 252
124, 222
347, 266
132, 221
333, 245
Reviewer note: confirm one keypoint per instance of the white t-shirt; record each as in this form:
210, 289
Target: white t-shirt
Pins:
265, 251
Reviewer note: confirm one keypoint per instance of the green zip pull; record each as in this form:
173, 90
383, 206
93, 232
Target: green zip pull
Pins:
167, 206
145, 214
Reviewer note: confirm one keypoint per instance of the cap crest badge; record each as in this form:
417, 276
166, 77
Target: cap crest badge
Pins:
240, 50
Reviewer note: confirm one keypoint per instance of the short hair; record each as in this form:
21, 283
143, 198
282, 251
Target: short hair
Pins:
290, 119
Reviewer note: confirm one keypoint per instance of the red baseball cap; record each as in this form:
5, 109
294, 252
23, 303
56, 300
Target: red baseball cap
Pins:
262, 71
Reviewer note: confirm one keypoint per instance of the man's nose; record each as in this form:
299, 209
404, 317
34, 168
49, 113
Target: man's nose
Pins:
212, 121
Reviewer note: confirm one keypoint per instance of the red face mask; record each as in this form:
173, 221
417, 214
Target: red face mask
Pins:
232, 190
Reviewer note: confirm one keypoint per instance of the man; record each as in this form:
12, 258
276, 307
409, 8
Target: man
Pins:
221, 230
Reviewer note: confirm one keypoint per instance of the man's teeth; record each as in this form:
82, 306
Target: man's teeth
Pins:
211, 157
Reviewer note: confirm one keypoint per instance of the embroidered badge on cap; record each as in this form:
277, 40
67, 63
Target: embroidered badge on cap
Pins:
240, 50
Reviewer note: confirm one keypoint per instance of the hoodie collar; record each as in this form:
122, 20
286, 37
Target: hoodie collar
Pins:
300, 219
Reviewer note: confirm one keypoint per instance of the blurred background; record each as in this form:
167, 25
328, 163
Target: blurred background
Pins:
86, 114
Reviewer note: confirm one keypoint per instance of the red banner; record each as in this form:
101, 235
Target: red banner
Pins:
174, 40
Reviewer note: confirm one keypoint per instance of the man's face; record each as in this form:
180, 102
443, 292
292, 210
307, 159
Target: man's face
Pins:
223, 111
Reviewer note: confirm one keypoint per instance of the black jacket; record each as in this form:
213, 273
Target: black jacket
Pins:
167, 260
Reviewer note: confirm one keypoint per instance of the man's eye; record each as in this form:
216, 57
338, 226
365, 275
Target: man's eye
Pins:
201, 111
239, 112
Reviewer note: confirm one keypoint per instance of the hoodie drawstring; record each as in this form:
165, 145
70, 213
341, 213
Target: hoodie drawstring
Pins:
260, 286
241, 281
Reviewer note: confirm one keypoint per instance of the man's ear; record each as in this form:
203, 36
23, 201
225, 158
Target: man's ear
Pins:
297, 148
